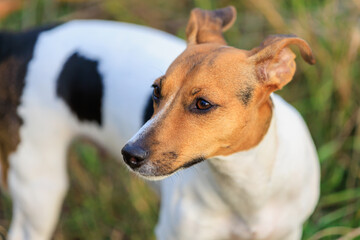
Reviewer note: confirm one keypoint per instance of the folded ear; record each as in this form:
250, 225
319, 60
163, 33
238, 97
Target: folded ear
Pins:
206, 26
274, 61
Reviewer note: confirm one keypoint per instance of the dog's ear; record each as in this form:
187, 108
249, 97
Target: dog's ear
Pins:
274, 61
206, 26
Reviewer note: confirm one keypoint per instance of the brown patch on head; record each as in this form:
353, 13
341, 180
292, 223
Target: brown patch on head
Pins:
194, 61
197, 56
179, 126
12, 72
215, 99
215, 54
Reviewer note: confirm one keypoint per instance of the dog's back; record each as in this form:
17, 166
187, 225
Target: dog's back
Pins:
101, 72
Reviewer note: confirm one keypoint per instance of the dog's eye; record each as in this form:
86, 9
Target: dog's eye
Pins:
156, 92
202, 104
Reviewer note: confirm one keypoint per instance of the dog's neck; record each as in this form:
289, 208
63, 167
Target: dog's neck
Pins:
243, 178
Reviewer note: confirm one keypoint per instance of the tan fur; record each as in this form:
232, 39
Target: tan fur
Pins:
207, 26
238, 82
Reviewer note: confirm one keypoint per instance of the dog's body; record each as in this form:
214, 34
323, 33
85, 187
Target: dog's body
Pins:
89, 78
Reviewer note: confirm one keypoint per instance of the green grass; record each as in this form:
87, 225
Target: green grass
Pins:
105, 202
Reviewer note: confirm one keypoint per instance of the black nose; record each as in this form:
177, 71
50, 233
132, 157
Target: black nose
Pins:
133, 155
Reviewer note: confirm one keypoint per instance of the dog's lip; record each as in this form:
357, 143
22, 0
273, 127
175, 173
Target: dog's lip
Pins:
193, 162
152, 176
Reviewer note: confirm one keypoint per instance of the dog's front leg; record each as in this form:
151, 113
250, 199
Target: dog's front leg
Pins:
36, 207
38, 183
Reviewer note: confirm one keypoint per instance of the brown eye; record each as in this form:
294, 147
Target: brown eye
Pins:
201, 104
156, 92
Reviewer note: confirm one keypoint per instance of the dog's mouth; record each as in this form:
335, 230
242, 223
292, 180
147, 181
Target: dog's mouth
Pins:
157, 171
193, 162
156, 165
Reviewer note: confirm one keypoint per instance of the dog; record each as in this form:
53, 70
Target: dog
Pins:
256, 173
81, 78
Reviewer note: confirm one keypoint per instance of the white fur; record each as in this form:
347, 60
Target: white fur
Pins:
263, 193
130, 58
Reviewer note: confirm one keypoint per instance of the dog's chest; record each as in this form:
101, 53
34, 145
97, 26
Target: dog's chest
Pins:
192, 206
211, 219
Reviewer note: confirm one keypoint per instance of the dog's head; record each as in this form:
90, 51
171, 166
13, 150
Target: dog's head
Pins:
213, 99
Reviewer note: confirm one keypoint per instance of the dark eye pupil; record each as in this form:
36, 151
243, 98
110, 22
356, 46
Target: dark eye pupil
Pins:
156, 92
202, 104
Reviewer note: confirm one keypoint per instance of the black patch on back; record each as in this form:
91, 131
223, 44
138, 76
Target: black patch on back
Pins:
80, 86
149, 110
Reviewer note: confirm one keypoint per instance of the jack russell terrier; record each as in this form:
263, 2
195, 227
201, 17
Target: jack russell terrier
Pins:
261, 179
257, 172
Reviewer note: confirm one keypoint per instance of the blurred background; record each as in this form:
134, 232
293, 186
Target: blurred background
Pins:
106, 202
